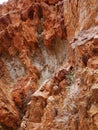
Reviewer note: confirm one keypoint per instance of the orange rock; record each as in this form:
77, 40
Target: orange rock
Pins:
36, 38
95, 92
93, 62
9, 114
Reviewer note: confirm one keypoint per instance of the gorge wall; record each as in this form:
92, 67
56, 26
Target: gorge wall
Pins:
49, 65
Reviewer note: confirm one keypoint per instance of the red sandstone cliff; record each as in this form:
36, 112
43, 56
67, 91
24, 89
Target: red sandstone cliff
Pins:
49, 65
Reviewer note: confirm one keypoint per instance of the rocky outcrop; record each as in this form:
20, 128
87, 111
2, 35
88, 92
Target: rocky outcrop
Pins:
49, 65
70, 97
80, 15
9, 114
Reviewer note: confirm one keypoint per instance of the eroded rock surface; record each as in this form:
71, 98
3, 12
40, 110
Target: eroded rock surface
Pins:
9, 114
71, 95
49, 65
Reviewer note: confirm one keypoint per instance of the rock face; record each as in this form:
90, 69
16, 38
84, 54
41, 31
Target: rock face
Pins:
49, 65
9, 115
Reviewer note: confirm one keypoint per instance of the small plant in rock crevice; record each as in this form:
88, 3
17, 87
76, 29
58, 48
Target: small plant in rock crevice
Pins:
70, 78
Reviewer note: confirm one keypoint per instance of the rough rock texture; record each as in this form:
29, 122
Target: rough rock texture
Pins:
9, 114
49, 65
